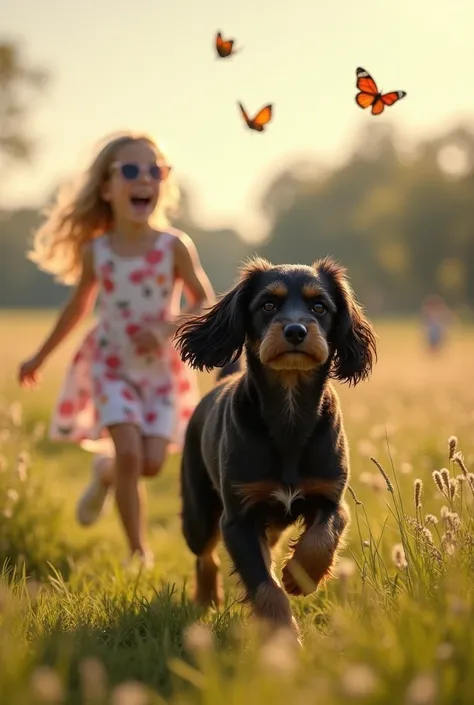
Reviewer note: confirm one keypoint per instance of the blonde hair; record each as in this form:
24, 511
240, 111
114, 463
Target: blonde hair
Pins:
80, 214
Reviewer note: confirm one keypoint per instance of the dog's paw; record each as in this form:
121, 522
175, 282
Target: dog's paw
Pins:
209, 600
209, 590
296, 580
289, 583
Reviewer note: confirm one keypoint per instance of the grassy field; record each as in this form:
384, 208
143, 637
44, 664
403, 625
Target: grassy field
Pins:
394, 626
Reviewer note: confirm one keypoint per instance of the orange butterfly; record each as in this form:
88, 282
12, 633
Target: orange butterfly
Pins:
224, 47
371, 96
261, 119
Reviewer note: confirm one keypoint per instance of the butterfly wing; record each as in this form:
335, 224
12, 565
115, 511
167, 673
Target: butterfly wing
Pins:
386, 99
227, 47
263, 117
378, 106
365, 82
391, 98
245, 114
223, 46
364, 100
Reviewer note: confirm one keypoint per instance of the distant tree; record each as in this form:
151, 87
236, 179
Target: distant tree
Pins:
19, 83
402, 224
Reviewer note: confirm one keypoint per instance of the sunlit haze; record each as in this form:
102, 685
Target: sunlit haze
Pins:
151, 65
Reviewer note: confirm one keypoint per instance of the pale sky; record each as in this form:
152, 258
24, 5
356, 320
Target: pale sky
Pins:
150, 64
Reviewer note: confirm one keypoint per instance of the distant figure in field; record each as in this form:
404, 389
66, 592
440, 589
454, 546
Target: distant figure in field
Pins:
436, 320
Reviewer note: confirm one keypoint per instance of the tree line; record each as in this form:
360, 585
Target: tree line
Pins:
402, 223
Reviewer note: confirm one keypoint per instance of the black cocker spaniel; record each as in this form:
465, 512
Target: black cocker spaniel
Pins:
266, 447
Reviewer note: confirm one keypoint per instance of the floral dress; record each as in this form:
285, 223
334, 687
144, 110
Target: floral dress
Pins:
109, 380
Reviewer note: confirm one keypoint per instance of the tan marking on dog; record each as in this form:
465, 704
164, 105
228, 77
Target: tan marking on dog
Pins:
272, 534
314, 554
251, 493
312, 289
316, 343
275, 351
277, 288
255, 347
208, 583
289, 379
292, 361
209, 589
331, 489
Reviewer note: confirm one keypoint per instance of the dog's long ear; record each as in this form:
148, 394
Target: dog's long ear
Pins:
217, 337
352, 337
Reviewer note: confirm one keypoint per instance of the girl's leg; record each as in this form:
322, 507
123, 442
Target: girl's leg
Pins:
129, 458
92, 501
154, 455
155, 449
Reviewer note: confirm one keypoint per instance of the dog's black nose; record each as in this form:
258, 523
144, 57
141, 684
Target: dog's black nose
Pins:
295, 333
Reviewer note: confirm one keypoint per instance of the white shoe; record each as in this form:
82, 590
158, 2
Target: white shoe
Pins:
91, 503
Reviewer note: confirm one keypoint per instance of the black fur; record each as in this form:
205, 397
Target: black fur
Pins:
353, 337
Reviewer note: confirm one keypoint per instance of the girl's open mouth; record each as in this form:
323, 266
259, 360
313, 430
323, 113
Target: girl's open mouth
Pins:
140, 201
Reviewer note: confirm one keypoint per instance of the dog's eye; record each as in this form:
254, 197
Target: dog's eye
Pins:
269, 306
318, 308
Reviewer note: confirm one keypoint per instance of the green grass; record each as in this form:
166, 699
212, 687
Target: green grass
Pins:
76, 627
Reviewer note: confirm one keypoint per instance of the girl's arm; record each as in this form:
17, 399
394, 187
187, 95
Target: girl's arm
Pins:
198, 288
79, 305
